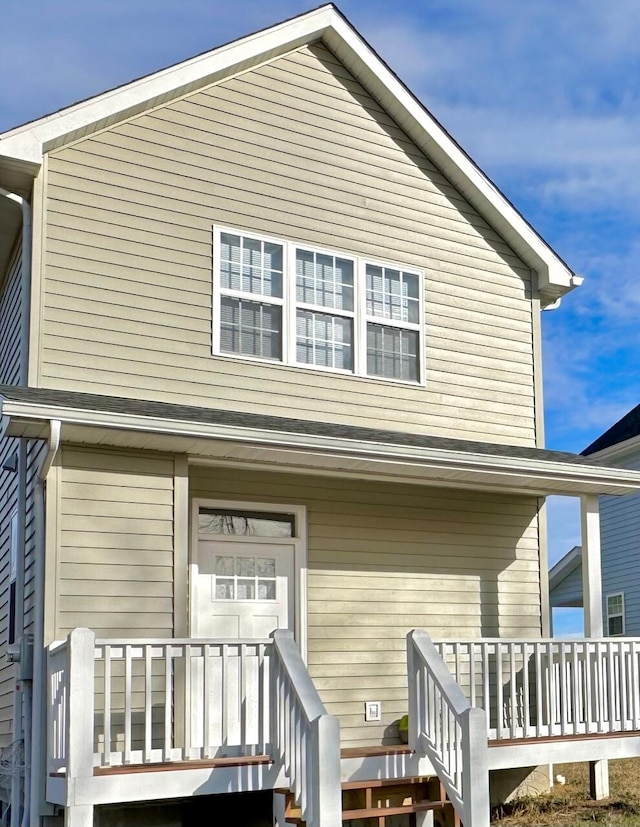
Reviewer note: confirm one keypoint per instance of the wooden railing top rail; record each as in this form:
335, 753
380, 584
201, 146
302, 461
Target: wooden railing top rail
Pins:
428, 653
172, 641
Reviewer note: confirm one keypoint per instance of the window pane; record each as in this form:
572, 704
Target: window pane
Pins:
224, 589
245, 523
392, 294
246, 566
266, 589
325, 280
250, 328
224, 565
266, 567
324, 340
246, 590
392, 352
250, 265
615, 625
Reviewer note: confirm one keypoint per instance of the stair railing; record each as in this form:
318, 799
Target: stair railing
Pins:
448, 730
305, 739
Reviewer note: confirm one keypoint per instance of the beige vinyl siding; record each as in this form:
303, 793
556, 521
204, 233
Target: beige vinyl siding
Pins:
384, 559
115, 557
10, 324
298, 150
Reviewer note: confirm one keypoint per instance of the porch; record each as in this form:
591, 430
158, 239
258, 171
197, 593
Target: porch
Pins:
143, 720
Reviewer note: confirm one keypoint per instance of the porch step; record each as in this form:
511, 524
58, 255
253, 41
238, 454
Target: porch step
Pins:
382, 799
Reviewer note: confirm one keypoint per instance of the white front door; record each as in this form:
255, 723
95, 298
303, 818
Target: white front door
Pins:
242, 574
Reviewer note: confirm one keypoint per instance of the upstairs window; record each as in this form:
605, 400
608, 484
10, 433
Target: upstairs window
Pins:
297, 305
615, 614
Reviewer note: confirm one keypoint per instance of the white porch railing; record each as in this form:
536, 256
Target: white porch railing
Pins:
160, 700
114, 703
444, 726
547, 688
306, 741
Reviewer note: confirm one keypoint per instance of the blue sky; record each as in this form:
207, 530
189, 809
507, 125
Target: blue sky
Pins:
545, 96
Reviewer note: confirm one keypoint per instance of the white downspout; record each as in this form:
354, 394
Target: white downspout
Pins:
25, 285
35, 794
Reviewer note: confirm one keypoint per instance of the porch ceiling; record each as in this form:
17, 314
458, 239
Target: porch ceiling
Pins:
300, 446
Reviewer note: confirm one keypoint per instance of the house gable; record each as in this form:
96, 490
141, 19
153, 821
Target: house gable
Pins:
299, 150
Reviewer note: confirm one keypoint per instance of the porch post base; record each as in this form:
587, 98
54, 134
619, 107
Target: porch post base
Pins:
79, 816
599, 779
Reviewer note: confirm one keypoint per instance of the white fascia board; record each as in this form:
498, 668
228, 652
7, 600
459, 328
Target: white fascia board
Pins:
619, 452
448, 155
609, 480
565, 566
29, 142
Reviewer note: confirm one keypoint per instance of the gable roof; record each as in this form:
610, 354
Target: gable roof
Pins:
561, 593
624, 430
23, 147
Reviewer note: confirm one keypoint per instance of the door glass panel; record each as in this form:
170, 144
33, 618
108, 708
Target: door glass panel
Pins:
254, 578
224, 589
228, 522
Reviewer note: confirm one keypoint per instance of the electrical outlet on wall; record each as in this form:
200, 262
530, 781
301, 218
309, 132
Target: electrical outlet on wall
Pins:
372, 710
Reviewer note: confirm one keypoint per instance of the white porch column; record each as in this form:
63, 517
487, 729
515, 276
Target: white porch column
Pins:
591, 566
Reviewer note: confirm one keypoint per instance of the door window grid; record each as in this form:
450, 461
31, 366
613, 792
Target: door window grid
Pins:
374, 327
244, 578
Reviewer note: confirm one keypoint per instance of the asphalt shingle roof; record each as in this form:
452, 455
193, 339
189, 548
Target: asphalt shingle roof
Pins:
215, 416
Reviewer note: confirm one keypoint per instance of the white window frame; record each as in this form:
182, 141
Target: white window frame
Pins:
289, 304
617, 614
298, 542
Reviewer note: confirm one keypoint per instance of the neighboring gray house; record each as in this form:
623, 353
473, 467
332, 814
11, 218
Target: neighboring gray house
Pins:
620, 539
270, 380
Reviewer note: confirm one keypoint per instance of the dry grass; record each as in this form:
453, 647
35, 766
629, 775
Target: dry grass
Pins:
570, 806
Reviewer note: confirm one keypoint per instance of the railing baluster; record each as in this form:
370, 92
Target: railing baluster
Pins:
148, 703
224, 681
472, 674
168, 701
106, 755
588, 689
563, 693
575, 694
499, 691
207, 695
511, 648
539, 689
127, 704
526, 694
611, 685
242, 695
622, 683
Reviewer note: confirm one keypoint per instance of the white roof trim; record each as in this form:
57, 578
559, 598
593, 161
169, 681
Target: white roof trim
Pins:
617, 452
564, 567
29, 142
534, 475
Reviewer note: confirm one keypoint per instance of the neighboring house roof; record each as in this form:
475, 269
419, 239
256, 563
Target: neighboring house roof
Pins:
22, 148
420, 457
625, 429
562, 590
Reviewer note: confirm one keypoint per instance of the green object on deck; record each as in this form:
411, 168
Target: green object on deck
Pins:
403, 729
